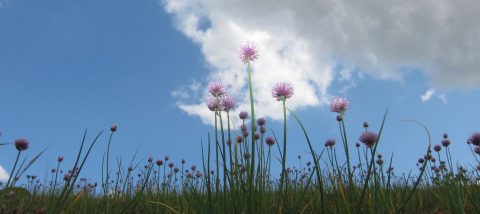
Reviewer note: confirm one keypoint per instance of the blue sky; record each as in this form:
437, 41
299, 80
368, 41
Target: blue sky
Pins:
68, 66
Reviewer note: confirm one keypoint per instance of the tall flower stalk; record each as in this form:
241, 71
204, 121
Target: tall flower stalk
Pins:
249, 54
281, 92
21, 144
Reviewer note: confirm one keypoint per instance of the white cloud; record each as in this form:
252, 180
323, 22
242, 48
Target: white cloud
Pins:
302, 42
3, 174
428, 94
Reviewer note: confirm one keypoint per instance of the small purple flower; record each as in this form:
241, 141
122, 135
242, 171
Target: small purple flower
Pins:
257, 135
170, 165
270, 141
261, 121
368, 138
445, 135
21, 144
228, 103
357, 144
248, 52
282, 91
379, 161
339, 118
167, 158
477, 150
445, 142
339, 104
263, 129
214, 104
437, 148
475, 139
113, 128
365, 124
159, 162
243, 115
330, 143
216, 89
239, 139
60, 159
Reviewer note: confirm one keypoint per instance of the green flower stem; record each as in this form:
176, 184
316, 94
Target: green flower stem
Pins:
13, 169
252, 111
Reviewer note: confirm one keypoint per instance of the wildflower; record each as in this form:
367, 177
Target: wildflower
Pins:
176, 169
421, 160
270, 141
239, 139
368, 138
21, 144
257, 135
159, 162
66, 177
214, 104
261, 121
379, 156
477, 150
475, 139
339, 118
183, 161
60, 159
445, 142
357, 144
170, 165
243, 115
246, 155
339, 105
167, 158
113, 128
445, 135
228, 103
379, 161
229, 142
365, 124
330, 143
437, 148
193, 167
282, 91
216, 89
263, 129
248, 52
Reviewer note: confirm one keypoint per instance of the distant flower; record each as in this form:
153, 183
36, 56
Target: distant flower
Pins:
113, 128
475, 139
263, 129
170, 165
357, 144
183, 161
167, 158
477, 150
214, 104
437, 148
60, 159
445, 142
445, 135
330, 143
239, 139
216, 89
282, 91
243, 115
150, 159
257, 135
365, 124
270, 141
248, 52
339, 118
379, 161
368, 138
21, 144
228, 103
159, 162
339, 104
261, 121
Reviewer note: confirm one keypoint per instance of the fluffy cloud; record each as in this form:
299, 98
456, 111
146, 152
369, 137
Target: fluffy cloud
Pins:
3, 174
303, 42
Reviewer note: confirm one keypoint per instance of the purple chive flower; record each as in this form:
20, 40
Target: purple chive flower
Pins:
368, 138
159, 162
339, 104
214, 104
477, 150
216, 89
113, 128
257, 135
475, 139
167, 158
437, 148
330, 143
243, 115
445, 142
282, 91
170, 165
60, 159
239, 139
445, 135
21, 144
248, 52
263, 129
261, 121
270, 141
365, 124
379, 161
357, 144
228, 103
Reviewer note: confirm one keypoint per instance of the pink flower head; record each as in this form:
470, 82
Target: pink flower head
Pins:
216, 89
339, 104
21, 144
248, 52
282, 91
475, 139
228, 103
214, 104
369, 138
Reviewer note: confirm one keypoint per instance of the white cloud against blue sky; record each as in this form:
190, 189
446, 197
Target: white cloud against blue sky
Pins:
304, 41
